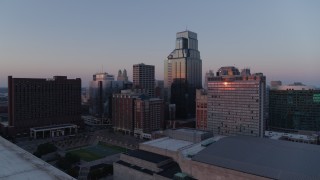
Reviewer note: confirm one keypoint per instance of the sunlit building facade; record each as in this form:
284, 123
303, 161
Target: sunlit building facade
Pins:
237, 103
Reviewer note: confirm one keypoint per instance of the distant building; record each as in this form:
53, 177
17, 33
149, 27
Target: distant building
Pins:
202, 109
143, 79
148, 116
236, 103
159, 89
294, 107
122, 76
123, 111
101, 88
275, 84
183, 74
35, 103
208, 75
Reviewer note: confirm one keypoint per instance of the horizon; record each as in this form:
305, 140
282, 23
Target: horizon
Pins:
41, 39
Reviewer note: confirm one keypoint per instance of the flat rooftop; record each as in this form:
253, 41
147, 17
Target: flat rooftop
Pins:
53, 127
279, 135
147, 156
191, 131
196, 148
16, 163
264, 157
168, 143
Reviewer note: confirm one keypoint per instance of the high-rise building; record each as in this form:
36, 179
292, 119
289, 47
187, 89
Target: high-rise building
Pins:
237, 103
101, 88
159, 89
209, 74
183, 74
122, 76
294, 107
143, 79
43, 102
201, 109
148, 116
123, 111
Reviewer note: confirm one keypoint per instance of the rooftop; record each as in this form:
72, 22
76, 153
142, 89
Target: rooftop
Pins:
59, 126
168, 143
191, 131
279, 135
264, 157
16, 163
147, 156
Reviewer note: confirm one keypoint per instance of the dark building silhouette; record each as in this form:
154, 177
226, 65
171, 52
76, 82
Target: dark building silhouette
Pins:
43, 102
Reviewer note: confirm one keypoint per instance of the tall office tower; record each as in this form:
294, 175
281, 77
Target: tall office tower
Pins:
143, 78
123, 111
208, 75
294, 107
183, 74
148, 116
237, 103
43, 102
122, 76
101, 88
202, 109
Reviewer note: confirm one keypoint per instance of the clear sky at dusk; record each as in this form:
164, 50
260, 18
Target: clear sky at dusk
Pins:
42, 38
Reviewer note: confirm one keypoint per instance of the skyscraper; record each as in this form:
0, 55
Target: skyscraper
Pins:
101, 88
183, 74
122, 76
143, 78
237, 103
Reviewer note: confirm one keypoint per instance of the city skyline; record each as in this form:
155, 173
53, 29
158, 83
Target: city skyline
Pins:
40, 39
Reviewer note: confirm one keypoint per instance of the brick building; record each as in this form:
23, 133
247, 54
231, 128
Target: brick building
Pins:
43, 102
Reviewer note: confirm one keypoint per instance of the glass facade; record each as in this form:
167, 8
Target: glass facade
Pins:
183, 74
294, 109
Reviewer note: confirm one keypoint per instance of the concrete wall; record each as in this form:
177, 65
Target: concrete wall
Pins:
139, 162
164, 152
204, 171
121, 172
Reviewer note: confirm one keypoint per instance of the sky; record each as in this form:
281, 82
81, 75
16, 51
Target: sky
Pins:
76, 38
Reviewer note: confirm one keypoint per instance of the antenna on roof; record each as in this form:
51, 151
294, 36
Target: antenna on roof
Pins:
186, 27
